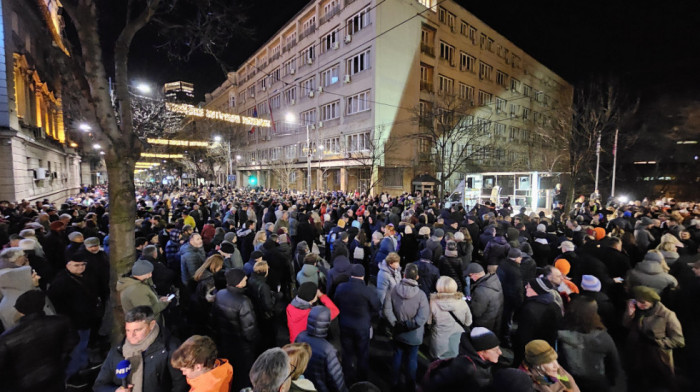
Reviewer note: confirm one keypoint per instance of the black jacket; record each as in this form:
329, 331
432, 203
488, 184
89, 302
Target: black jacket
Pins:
338, 274
487, 302
452, 267
324, 368
465, 372
429, 275
357, 303
158, 374
76, 297
261, 296
234, 320
98, 267
279, 273
539, 318
33, 353
511, 281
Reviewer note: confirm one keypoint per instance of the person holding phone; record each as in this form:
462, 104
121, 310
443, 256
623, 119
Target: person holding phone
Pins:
138, 290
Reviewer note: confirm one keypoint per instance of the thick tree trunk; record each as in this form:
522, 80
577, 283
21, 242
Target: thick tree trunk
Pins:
122, 215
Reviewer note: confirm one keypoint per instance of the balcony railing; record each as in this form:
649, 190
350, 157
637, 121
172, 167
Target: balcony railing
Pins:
331, 13
309, 30
426, 86
427, 49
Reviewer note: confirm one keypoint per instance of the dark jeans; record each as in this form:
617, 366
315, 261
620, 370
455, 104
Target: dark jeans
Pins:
406, 357
355, 344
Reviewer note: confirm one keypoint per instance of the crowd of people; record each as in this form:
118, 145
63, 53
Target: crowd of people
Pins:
263, 290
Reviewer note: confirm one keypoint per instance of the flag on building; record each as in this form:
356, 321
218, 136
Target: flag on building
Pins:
272, 120
255, 115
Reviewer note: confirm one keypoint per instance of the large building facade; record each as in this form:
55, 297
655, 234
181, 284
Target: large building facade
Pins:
35, 159
352, 79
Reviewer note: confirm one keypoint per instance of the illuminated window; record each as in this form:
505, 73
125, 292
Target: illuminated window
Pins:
330, 76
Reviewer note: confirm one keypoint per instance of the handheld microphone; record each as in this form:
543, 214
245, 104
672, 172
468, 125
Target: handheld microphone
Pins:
123, 370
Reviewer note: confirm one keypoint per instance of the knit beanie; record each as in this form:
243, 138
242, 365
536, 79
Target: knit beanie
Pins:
483, 339
644, 293
234, 277
599, 233
141, 267
31, 301
590, 283
539, 352
514, 253
474, 268
357, 271
424, 231
439, 233
563, 265
307, 291
426, 254
541, 286
227, 247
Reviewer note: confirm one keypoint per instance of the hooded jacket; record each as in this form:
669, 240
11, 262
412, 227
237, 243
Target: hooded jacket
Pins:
429, 275
215, 380
650, 273
496, 250
386, 246
134, 292
191, 259
487, 302
235, 322
308, 273
589, 356
407, 308
338, 274
357, 303
324, 368
445, 332
387, 278
298, 312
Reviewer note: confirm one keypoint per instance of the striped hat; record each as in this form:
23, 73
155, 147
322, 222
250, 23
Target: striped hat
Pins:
590, 283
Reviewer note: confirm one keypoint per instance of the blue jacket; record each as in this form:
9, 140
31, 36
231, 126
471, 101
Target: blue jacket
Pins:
324, 368
386, 246
357, 303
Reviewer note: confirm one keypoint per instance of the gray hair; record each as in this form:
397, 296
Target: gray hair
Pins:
27, 244
140, 313
12, 254
150, 250
27, 233
270, 370
65, 216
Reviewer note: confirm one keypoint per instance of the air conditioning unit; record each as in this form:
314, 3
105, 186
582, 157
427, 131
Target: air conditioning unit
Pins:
347, 78
252, 95
309, 61
263, 88
320, 124
320, 89
292, 102
311, 94
292, 71
348, 39
336, 45
40, 173
267, 138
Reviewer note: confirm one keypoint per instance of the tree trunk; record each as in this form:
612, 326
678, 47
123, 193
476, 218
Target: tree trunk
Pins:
122, 215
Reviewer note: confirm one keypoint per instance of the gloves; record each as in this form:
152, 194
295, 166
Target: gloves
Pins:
404, 326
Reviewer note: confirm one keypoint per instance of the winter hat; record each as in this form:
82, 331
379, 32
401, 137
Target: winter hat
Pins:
512, 380
227, 247
424, 231
341, 223
356, 224
646, 221
514, 253
75, 236
31, 301
256, 255
541, 228
407, 229
451, 249
590, 283
92, 241
563, 265
78, 257
541, 286
426, 254
141, 267
343, 235
357, 271
27, 233
439, 233
459, 236
539, 352
483, 339
307, 291
567, 246
599, 233
654, 256
27, 244
229, 236
644, 293
474, 268
234, 276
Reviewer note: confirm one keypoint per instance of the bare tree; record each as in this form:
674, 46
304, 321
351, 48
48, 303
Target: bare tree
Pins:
115, 119
369, 154
283, 169
456, 138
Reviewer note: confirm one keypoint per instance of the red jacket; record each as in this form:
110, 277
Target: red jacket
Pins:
208, 232
298, 313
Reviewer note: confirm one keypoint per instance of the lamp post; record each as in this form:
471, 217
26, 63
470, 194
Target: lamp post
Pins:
320, 147
308, 160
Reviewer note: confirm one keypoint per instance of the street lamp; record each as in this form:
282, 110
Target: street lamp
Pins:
290, 118
85, 127
96, 146
143, 88
320, 158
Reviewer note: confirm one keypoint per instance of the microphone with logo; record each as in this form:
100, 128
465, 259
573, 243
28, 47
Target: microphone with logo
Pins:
123, 370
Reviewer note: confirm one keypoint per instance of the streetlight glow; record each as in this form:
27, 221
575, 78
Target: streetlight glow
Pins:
85, 127
217, 138
143, 88
238, 157
96, 146
289, 117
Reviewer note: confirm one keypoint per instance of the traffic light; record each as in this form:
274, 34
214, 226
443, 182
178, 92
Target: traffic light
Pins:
252, 181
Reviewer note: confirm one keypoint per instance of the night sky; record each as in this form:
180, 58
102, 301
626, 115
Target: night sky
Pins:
652, 47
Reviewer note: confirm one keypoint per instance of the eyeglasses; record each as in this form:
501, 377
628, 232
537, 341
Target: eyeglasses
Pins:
294, 369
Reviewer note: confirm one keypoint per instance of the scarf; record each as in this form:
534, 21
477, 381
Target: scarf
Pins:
134, 353
541, 378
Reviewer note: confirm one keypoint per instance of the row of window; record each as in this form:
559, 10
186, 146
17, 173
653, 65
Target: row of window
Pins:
358, 142
329, 76
353, 25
